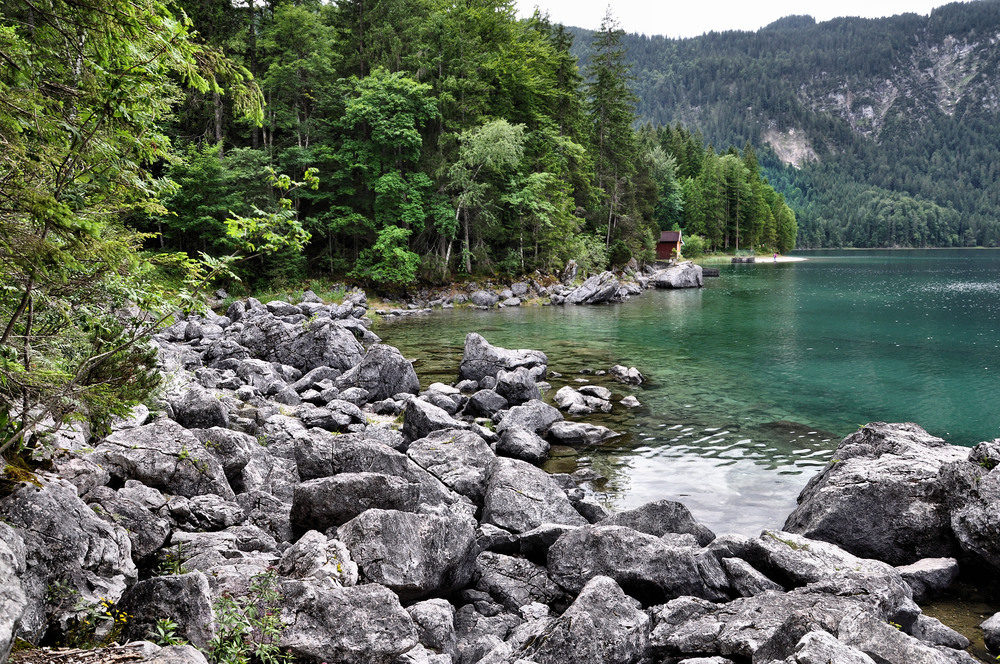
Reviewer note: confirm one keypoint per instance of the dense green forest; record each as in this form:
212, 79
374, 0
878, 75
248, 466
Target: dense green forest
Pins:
448, 140
892, 123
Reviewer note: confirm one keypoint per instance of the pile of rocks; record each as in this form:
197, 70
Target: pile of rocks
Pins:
440, 541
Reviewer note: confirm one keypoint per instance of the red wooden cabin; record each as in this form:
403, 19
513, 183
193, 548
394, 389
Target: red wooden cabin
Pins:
669, 245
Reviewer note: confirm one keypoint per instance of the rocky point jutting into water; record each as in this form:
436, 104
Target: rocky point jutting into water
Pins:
406, 527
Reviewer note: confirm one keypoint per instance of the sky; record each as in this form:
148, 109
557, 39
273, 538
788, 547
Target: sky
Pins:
690, 18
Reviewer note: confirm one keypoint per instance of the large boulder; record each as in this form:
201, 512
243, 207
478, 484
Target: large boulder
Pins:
331, 501
13, 601
435, 621
233, 449
183, 598
318, 343
520, 497
794, 561
197, 409
975, 519
769, 628
602, 625
323, 561
458, 458
517, 386
597, 289
482, 359
351, 625
71, 556
422, 418
147, 532
535, 416
382, 372
166, 456
883, 496
645, 566
685, 275
523, 444
991, 633
660, 517
414, 555
515, 582
351, 454
579, 433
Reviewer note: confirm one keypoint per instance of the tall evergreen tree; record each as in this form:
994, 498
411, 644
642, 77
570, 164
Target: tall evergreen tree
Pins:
612, 112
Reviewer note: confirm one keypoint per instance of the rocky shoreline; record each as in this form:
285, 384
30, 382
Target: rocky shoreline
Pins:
292, 451
602, 288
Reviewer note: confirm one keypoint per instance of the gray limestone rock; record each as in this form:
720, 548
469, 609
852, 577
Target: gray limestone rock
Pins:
331, 501
422, 417
517, 386
684, 275
414, 555
520, 497
522, 444
579, 433
481, 359
991, 632
183, 598
458, 458
483, 298
602, 625
163, 455
929, 576
146, 531
660, 517
70, 554
325, 562
382, 372
435, 622
485, 403
645, 566
351, 625
883, 497
13, 601
535, 416
233, 449
821, 647
515, 582
318, 343
198, 409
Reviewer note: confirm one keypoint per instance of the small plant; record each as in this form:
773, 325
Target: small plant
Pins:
249, 628
173, 562
165, 633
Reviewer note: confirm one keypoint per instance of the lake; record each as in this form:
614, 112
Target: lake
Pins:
755, 378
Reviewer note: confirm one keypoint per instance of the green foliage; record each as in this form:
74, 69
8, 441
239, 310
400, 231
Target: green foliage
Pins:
85, 92
248, 629
164, 633
694, 246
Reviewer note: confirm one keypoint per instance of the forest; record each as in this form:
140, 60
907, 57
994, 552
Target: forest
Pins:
898, 114
446, 140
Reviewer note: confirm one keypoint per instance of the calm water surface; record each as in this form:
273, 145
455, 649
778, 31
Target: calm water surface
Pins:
754, 379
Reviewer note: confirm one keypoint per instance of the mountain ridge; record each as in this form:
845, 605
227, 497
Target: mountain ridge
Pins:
900, 109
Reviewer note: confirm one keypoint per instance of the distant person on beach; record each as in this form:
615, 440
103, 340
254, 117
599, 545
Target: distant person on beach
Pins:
776, 257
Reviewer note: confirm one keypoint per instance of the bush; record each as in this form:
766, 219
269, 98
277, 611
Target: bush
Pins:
694, 246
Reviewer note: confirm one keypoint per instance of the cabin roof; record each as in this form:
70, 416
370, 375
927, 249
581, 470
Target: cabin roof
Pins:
670, 236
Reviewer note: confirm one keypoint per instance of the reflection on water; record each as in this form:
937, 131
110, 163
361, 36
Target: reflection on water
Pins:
754, 379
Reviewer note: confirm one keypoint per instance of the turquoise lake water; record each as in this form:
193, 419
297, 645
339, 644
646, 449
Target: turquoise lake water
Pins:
755, 378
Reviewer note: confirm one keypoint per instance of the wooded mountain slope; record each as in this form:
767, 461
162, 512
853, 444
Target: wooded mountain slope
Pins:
892, 125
